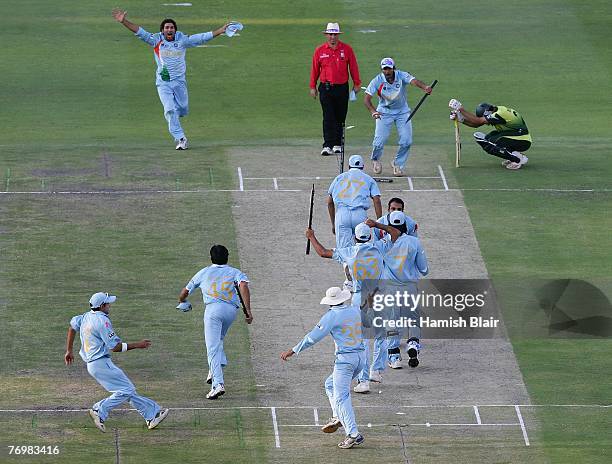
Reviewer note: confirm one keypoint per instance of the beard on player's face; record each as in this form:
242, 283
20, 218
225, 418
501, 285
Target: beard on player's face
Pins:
169, 31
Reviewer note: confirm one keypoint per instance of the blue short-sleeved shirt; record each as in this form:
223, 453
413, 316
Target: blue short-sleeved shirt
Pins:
97, 335
392, 97
217, 284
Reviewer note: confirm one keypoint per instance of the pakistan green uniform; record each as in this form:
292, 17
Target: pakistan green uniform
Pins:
510, 132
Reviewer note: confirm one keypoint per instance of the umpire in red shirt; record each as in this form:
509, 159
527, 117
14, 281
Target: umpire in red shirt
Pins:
331, 63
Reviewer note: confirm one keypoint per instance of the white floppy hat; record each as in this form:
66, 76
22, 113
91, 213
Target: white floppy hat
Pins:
335, 296
98, 299
332, 28
356, 161
397, 218
363, 232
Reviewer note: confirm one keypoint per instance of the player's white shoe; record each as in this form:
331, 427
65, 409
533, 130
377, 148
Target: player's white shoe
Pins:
326, 151
337, 149
209, 378
515, 166
397, 171
349, 441
160, 416
348, 285
362, 387
480, 135
182, 144
332, 425
413, 350
96, 418
216, 392
395, 363
376, 376
376, 166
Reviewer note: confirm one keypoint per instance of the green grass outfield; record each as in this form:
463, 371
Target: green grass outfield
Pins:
80, 112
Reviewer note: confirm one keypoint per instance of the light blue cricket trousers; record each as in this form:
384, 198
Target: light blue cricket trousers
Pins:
338, 388
218, 317
175, 100
382, 132
393, 341
379, 356
346, 220
115, 381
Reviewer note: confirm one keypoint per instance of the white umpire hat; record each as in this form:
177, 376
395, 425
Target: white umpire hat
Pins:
363, 232
98, 299
335, 296
356, 161
332, 28
397, 218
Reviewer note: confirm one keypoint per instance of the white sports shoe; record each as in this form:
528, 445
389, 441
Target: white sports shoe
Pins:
349, 441
515, 166
376, 166
209, 378
397, 171
395, 364
216, 392
506, 163
160, 416
479, 135
326, 151
96, 418
413, 350
362, 387
337, 149
348, 285
332, 425
182, 144
376, 376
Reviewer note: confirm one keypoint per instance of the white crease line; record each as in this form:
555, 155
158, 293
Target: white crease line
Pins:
316, 416
293, 178
410, 186
240, 180
520, 418
477, 414
411, 406
275, 184
443, 177
275, 424
426, 424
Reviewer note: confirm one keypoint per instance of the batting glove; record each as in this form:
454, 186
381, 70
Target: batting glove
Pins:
184, 306
455, 105
456, 115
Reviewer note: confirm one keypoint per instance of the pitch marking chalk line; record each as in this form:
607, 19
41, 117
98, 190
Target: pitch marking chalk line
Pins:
240, 179
477, 414
410, 186
275, 425
523, 429
443, 177
275, 184
426, 424
415, 406
406, 460
316, 416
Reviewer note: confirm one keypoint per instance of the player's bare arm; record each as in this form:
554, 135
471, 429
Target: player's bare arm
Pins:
246, 296
221, 30
367, 101
319, 248
121, 17
68, 356
331, 209
421, 85
142, 345
377, 205
392, 231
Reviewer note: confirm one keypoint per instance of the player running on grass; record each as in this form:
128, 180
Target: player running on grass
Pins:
343, 322
169, 47
510, 137
98, 339
217, 285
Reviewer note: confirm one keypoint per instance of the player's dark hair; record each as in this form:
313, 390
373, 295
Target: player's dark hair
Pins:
219, 254
167, 20
403, 228
395, 200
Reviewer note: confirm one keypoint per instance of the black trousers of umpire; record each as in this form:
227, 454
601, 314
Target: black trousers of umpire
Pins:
334, 102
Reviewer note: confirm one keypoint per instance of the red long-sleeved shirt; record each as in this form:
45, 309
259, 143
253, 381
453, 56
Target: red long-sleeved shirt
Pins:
333, 65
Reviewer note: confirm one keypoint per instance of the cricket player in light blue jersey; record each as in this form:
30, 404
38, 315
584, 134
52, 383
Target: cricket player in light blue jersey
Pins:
404, 265
364, 261
169, 47
349, 201
343, 323
390, 86
396, 204
218, 285
98, 339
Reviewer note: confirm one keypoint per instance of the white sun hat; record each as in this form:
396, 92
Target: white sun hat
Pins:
332, 28
335, 296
